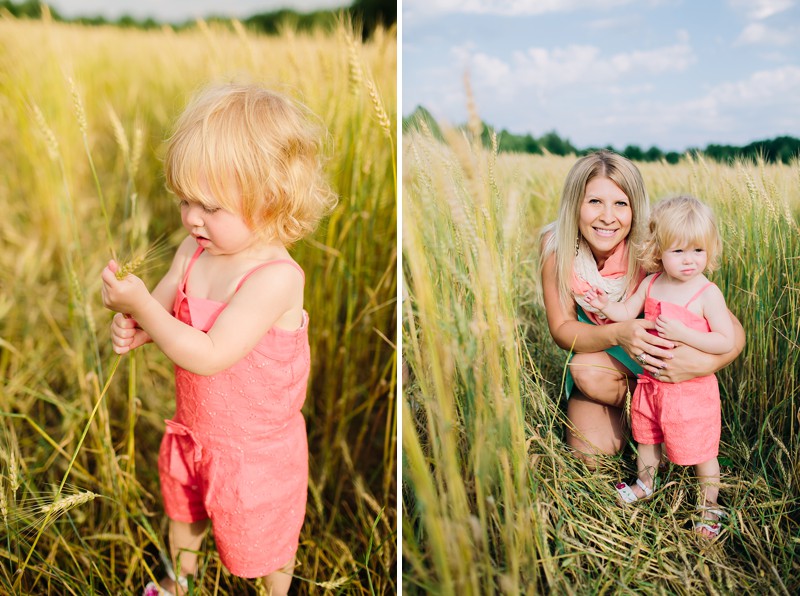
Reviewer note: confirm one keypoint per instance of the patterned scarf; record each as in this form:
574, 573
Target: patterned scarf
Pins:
610, 279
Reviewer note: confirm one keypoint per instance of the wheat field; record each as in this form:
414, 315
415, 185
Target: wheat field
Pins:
84, 114
492, 502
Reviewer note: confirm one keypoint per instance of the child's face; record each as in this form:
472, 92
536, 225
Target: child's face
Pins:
218, 231
683, 263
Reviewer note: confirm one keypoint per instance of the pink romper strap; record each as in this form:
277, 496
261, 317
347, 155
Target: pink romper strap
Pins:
191, 264
268, 264
700, 291
650, 285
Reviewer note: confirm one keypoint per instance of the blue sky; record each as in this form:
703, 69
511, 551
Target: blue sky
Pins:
670, 73
184, 10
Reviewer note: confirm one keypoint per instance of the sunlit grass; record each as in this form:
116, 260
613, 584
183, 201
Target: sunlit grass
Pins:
86, 113
492, 501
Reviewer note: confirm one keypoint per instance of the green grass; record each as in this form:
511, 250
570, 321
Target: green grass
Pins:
492, 501
86, 113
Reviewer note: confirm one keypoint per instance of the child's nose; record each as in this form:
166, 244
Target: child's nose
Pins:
193, 216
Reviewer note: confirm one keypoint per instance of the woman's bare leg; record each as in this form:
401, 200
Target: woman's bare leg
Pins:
593, 429
595, 408
277, 583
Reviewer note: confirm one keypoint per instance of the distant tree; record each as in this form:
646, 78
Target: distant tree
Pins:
633, 152
374, 13
417, 117
31, 9
653, 154
556, 145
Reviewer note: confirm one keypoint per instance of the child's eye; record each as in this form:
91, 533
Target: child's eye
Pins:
210, 210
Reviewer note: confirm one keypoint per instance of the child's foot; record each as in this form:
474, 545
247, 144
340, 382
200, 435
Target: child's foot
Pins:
167, 587
709, 527
630, 494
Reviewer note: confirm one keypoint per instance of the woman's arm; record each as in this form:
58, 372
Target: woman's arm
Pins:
571, 334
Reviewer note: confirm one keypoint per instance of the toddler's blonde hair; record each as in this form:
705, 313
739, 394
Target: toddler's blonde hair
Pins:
254, 152
680, 221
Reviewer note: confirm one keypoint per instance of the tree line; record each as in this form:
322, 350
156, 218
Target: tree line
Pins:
780, 149
368, 13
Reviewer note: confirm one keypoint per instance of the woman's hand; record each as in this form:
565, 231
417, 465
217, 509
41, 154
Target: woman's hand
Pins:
124, 295
652, 352
126, 335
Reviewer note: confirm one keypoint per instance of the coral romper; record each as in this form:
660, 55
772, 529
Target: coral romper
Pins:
684, 416
236, 451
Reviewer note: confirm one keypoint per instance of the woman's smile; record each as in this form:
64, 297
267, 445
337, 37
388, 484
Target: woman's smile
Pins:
605, 216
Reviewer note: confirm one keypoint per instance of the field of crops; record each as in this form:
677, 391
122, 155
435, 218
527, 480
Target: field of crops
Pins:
84, 113
492, 501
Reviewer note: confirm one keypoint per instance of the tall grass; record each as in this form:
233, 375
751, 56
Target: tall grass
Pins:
86, 111
492, 502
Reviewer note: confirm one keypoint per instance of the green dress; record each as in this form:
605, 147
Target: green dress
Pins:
615, 352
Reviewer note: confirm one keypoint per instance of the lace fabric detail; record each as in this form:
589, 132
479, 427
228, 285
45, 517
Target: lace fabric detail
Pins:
236, 450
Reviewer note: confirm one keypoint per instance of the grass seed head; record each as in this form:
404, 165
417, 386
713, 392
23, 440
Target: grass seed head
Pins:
64, 504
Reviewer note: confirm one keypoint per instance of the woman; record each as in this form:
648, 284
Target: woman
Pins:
601, 220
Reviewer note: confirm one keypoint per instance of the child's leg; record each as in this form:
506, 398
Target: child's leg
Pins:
647, 461
184, 541
277, 583
708, 476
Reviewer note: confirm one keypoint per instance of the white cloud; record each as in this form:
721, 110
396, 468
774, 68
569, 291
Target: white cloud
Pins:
547, 70
419, 8
761, 9
760, 34
761, 89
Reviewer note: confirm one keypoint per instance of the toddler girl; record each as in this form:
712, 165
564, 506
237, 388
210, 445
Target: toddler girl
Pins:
686, 307
244, 163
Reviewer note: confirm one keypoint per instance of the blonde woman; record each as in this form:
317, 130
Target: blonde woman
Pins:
592, 244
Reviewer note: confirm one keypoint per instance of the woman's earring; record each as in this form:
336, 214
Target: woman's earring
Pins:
577, 244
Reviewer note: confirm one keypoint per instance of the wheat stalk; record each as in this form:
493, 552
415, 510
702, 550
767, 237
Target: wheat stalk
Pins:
64, 504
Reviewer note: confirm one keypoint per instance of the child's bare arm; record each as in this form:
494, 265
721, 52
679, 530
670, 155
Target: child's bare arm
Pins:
126, 334
721, 338
618, 311
255, 308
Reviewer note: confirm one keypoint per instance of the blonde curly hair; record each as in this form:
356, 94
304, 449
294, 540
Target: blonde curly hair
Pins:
680, 221
253, 152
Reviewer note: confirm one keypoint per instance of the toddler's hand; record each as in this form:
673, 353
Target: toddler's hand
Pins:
596, 298
671, 329
122, 295
126, 335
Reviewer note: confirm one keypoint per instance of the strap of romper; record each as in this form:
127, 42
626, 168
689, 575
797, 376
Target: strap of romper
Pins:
191, 264
650, 285
269, 264
700, 291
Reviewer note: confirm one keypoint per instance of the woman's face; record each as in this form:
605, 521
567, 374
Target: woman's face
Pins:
605, 216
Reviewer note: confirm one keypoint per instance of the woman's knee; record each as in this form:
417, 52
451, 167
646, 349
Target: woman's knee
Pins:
598, 380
